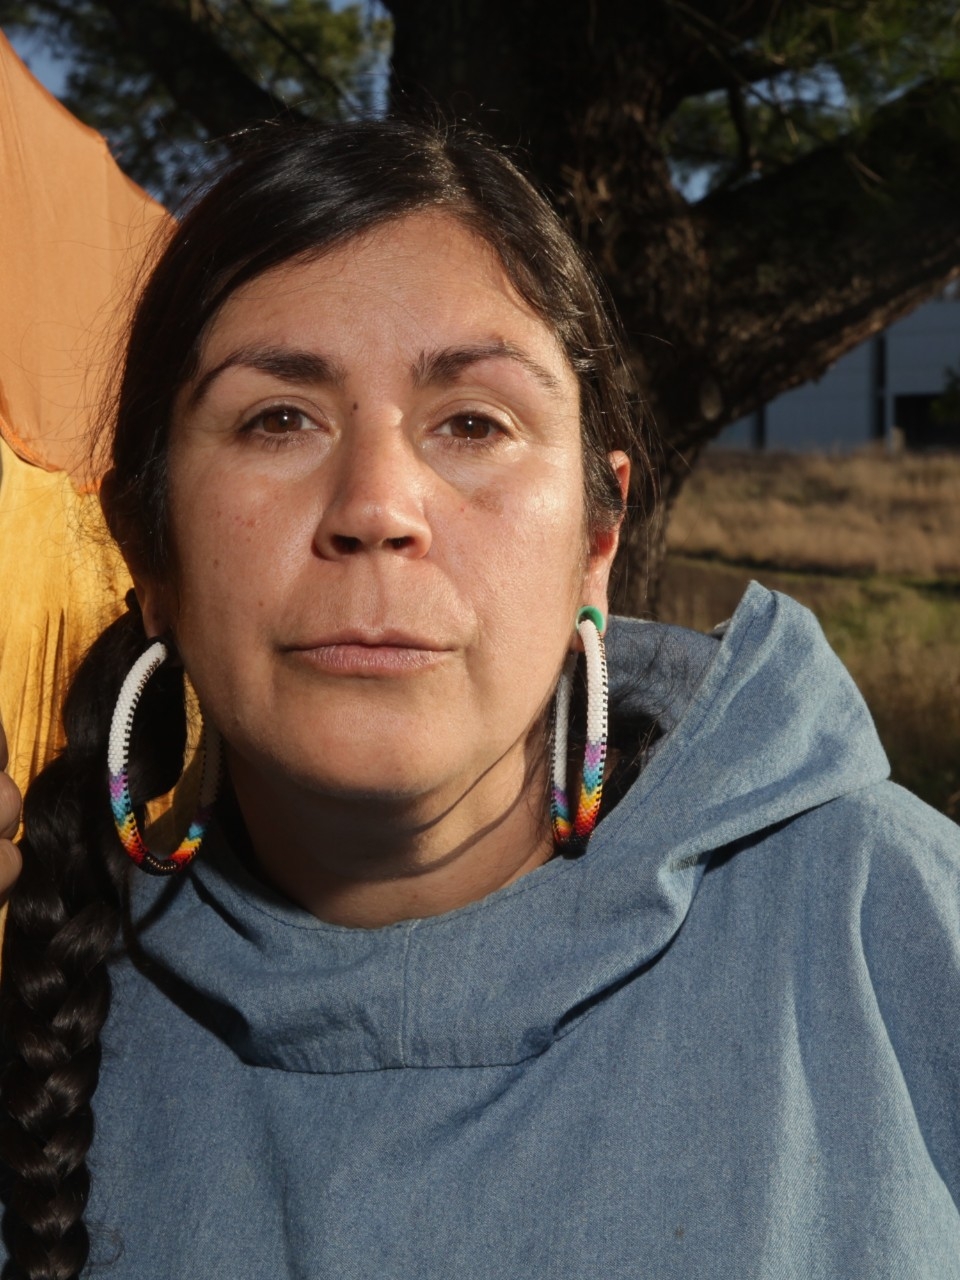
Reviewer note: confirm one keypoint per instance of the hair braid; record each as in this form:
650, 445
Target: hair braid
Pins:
64, 918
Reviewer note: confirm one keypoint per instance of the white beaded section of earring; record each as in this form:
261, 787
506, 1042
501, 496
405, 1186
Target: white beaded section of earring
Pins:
562, 724
597, 708
121, 726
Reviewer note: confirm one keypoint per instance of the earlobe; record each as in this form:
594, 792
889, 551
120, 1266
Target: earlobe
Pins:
152, 608
150, 603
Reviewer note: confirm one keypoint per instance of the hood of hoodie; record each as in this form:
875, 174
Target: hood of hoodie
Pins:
760, 722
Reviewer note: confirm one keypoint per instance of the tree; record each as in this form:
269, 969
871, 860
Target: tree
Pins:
764, 183
166, 82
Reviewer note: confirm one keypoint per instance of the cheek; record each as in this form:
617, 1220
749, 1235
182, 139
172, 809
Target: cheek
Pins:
234, 543
542, 527
524, 566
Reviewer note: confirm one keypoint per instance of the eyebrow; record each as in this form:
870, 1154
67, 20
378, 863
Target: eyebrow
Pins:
285, 363
441, 368
430, 369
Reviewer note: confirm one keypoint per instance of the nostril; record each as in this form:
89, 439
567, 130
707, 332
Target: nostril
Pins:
345, 546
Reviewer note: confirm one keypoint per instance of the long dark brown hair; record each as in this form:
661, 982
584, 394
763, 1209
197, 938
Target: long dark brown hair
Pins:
290, 193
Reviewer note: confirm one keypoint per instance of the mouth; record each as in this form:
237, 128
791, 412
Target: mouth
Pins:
386, 653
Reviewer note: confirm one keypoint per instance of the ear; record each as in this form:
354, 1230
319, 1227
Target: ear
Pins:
154, 606
152, 595
603, 545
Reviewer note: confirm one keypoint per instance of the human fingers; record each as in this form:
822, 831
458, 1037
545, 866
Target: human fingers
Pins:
10, 862
9, 806
10, 867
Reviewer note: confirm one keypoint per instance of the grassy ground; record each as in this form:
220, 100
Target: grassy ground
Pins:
867, 513
890, 607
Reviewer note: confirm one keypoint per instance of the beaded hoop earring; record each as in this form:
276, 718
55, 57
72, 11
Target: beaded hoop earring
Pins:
590, 625
117, 763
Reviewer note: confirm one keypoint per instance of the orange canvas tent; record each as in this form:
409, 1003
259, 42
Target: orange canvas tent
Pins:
74, 236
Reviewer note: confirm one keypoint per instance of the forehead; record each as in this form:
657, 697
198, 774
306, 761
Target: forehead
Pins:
416, 283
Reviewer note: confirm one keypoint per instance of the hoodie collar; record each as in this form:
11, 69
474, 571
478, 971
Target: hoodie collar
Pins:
760, 724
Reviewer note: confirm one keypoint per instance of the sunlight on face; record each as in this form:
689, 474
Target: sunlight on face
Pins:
377, 507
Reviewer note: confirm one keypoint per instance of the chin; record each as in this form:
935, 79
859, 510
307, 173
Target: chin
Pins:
375, 777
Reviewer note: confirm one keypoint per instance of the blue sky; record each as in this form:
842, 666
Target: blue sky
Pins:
49, 71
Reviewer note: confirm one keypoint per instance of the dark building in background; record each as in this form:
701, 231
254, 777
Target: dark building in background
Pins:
885, 390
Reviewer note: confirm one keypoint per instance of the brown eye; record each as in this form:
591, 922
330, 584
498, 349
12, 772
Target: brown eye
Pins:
275, 422
471, 426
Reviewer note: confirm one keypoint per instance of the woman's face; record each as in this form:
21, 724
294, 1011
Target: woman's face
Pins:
378, 520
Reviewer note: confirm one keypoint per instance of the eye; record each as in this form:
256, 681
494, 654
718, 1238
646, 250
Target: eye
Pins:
280, 420
471, 427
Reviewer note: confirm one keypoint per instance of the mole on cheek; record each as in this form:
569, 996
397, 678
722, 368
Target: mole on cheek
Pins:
356, 406
489, 499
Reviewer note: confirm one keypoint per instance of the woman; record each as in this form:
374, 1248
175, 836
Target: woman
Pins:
369, 466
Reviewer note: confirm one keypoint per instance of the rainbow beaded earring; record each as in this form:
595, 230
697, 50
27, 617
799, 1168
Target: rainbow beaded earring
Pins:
590, 626
118, 752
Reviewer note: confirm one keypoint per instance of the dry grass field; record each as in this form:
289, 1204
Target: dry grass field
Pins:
872, 545
862, 513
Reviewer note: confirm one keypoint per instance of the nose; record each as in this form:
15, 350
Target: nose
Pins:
376, 502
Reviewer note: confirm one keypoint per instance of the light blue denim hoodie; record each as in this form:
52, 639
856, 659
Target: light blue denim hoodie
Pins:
723, 1042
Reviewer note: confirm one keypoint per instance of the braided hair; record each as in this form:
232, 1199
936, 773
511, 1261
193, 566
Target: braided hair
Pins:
292, 193
63, 924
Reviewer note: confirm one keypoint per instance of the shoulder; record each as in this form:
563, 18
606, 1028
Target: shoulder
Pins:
843, 925
876, 833
895, 844
865, 891
908, 927
874, 872
909, 916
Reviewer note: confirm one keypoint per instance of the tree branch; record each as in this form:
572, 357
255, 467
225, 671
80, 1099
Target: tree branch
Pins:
298, 54
707, 39
738, 114
809, 262
199, 75
717, 33
732, 22
714, 72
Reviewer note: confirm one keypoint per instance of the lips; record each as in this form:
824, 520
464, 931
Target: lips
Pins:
370, 653
371, 639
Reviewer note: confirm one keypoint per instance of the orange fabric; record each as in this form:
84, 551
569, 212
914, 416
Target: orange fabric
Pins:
74, 234
61, 582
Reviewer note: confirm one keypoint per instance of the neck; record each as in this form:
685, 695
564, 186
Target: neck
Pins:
368, 862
